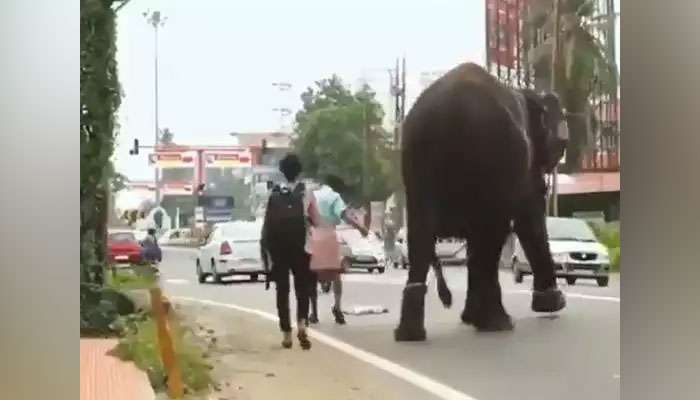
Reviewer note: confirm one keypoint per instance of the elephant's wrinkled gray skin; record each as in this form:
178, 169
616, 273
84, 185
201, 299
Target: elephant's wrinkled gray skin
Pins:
474, 158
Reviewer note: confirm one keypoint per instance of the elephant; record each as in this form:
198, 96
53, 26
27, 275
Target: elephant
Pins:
474, 155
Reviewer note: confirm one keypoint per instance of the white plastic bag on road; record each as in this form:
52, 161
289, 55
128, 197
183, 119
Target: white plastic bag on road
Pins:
366, 310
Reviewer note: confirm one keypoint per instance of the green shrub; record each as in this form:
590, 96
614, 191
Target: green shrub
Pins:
139, 278
609, 235
139, 344
100, 308
615, 259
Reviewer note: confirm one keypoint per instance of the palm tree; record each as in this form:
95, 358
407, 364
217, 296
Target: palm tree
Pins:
584, 63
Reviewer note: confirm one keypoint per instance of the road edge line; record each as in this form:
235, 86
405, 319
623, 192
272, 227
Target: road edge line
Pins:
421, 381
572, 295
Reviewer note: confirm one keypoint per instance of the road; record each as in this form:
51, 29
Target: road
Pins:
574, 355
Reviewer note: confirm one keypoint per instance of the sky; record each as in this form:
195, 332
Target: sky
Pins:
219, 58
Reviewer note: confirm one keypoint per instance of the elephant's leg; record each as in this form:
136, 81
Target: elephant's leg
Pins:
531, 228
469, 306
421, 250
485, 308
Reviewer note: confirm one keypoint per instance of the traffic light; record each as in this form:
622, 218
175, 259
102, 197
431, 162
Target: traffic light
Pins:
135, 150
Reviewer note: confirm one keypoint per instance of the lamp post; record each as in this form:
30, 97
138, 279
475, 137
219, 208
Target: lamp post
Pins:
156, 20
555, 67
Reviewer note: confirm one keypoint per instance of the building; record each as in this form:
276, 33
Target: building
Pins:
595, 185
193, 174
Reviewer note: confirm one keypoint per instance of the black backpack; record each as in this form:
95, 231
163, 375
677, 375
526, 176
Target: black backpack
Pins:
285, 221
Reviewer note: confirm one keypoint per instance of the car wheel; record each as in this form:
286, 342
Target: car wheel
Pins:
603, 281
571, 280
201, 276
381, 270
517, 274
254, 277
215, 274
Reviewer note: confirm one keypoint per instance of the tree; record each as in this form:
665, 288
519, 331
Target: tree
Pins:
100, 98
585, 62
339, 132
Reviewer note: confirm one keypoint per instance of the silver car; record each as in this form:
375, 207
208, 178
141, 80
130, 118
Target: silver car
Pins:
359, 252
448, 251
576, 252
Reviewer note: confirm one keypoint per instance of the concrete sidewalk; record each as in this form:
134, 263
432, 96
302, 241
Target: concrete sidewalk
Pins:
250, 363
104, 377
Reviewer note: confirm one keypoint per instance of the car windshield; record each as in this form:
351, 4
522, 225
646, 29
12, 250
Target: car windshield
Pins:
241, 231
122, 237
569, 229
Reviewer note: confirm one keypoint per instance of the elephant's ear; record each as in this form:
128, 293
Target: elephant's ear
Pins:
558, 129
547, 129
537, 127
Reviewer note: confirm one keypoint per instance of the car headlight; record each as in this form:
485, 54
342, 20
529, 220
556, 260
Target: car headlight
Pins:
560, 258
604, 258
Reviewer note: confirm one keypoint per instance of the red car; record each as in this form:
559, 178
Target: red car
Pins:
123, 248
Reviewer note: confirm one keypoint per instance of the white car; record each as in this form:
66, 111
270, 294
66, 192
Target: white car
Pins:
359, 252
449, 251
232, 248
576, 252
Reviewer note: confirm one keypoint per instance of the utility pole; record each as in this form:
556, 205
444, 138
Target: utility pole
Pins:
156, 20
554, 76
398, 91
284, 111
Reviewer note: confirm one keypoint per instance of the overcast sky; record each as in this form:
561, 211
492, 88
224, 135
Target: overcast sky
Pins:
218, 59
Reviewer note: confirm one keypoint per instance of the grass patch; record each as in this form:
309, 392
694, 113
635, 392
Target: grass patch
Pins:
139, 344
609, 235
135, 277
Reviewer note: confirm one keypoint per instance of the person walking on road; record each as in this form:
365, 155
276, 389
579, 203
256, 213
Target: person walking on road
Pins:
325, 261
285, 236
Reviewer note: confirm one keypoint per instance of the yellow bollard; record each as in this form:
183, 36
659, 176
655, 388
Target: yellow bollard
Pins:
175, 387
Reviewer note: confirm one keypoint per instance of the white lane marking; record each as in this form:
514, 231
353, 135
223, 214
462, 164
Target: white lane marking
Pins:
178, 281
573, 295
432, 386
616, 376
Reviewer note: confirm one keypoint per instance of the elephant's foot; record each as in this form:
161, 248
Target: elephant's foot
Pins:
469, 312
496, 321
550, 300
411, 327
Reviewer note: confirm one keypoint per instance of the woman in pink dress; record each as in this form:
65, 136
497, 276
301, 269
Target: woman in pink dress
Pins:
330, 210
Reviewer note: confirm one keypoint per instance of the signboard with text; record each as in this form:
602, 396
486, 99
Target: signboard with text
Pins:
184, 159
229, 159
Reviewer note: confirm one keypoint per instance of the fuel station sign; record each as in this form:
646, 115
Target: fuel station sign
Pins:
229, 159
186, 159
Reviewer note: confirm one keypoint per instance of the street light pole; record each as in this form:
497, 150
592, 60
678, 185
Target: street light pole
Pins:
555, 68
155, 19
284, 111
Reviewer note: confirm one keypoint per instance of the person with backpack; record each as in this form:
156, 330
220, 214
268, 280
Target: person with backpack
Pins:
285, 239
325, 259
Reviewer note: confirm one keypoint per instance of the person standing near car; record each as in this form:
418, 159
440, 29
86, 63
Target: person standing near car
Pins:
325, 261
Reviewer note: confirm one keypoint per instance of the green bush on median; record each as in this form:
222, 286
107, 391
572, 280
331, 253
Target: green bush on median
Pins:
139, 344
609, 235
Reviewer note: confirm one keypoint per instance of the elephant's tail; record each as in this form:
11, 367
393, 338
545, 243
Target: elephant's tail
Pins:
443, 290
